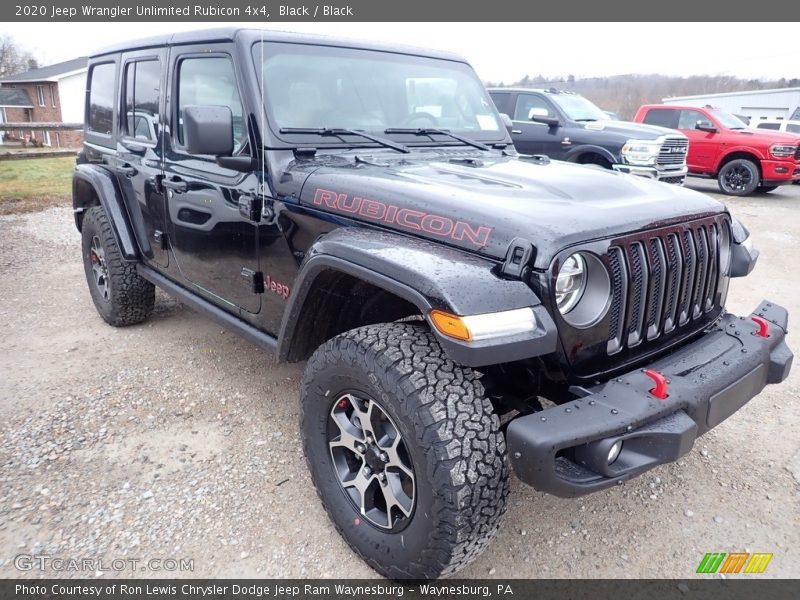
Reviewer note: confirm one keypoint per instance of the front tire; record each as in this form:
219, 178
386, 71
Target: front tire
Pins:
120, 294
765, 189
738, 177
383, 407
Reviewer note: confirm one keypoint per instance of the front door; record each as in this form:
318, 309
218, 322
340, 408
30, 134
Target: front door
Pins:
214, 245
704, 146
140, 150
531, 137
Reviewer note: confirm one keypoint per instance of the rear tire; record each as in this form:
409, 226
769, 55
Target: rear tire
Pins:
120, 294
738, 177
452, 475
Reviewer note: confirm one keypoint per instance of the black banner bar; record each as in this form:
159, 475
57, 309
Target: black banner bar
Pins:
261, 11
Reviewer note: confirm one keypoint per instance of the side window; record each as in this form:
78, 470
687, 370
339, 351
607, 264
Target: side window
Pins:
689, 119
100, 118
142, 83
500, 100
792, 128
663, 117
526, 102
209, 82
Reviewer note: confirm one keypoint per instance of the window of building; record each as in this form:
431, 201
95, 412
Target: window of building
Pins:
53, 95
40, 94
101, 99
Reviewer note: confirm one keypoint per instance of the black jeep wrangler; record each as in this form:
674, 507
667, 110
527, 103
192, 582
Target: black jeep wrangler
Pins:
462, 309
566, 126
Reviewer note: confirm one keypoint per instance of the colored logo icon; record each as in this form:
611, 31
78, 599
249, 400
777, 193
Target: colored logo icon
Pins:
735, 562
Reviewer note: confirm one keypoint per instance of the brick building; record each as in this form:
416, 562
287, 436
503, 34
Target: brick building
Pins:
52, 94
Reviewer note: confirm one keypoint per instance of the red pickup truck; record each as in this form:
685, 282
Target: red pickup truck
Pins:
720, 145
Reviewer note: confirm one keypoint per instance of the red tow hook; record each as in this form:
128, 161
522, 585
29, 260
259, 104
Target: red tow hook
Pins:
660, 391
763, 326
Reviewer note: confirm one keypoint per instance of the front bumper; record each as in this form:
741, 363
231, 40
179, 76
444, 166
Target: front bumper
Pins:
676, 176
779, 172
563, 450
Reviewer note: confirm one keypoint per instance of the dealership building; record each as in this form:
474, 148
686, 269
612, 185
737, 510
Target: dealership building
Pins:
757, 105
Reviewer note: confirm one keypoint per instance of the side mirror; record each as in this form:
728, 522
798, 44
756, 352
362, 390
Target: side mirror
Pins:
506, 122
540, 115
208, 130
705, 126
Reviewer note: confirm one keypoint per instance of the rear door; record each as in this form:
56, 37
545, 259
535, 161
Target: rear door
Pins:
140, 148
214, 245
531, 137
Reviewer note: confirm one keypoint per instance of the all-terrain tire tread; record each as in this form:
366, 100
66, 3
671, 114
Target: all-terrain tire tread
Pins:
132, 297
454, 423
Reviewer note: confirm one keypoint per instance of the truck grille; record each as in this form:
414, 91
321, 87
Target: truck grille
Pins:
663, 280
673, 152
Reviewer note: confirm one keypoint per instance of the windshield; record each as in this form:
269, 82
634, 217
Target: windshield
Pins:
318, 87
578, 108
728, 120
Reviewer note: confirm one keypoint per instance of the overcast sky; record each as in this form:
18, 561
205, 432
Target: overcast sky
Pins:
507, 51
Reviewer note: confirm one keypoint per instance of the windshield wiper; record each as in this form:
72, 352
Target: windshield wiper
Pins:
431, 130
340, 131
585, 120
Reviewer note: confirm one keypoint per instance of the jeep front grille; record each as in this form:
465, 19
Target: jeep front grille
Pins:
663, 280
673, 152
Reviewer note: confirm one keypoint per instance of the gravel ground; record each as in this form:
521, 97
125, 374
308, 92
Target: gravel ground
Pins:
175, 439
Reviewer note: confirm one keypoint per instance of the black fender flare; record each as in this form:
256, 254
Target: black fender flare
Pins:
429, 276
109, 195
573, 153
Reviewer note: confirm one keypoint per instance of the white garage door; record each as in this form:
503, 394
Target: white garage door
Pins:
761, 113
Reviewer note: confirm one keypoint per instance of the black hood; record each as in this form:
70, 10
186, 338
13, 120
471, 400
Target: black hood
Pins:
483, 204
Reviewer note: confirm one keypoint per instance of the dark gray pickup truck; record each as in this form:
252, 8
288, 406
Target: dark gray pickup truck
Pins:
566, 126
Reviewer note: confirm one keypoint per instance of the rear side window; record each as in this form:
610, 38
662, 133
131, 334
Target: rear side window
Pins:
663, 117
100, 116
142, 91
209, 82
774, 126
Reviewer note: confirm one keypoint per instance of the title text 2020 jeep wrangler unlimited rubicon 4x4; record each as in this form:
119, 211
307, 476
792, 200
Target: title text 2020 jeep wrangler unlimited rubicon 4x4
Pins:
462, 309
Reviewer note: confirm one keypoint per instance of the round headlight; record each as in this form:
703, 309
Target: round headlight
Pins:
570, 283
583, 289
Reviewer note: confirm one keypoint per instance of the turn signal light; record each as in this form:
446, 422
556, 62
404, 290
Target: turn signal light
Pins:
450, 325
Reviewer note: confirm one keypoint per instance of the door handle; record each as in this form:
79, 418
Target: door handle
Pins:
516, 131
127, 170
176, 184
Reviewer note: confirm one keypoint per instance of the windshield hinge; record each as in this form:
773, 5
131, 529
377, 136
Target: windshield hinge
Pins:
519, 255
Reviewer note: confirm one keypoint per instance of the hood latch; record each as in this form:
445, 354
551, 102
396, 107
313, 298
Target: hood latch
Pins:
519, 255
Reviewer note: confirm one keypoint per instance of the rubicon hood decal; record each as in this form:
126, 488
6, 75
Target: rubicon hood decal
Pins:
483, 205
405, 218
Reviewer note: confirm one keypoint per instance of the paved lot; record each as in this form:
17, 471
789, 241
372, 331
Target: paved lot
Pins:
175, 439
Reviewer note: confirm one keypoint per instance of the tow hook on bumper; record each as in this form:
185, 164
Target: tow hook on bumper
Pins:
620, 429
